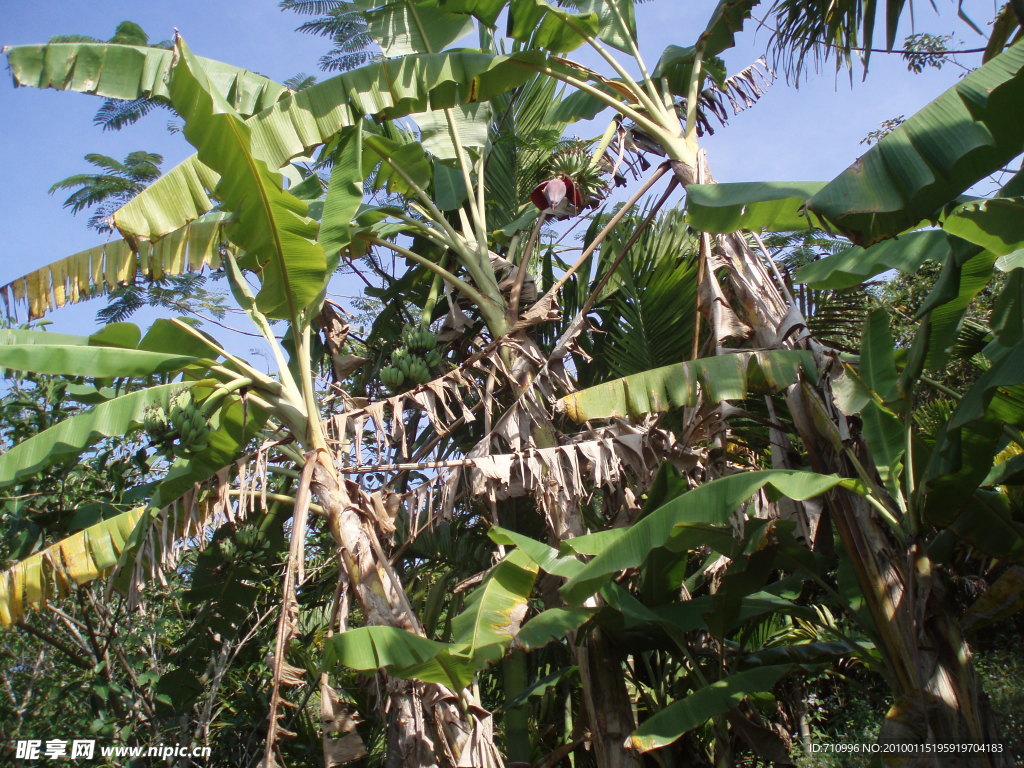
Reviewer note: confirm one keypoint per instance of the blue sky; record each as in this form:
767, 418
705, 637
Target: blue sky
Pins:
808, 133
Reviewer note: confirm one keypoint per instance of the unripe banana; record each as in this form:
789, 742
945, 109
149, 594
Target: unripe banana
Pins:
419, 371
155, 420
392, 377
427, 340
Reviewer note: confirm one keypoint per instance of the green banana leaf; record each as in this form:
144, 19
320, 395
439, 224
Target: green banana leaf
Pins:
961, 137
26, 336
710, 504
725, 377
857, 265
93, 362
616, 22
494, 611
271, 225
403, 654
997, 224
707, 702
383, 154
549, 27
344, 194
544, 25
776, 206
547, 558
877, 357
131, 72
471, 121
301, 122
552, 624
803, 653
70, 437
963, 457
725, 23
481, 633
675, 67
402, 27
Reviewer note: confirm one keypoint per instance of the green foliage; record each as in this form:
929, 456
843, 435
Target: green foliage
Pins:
481, 541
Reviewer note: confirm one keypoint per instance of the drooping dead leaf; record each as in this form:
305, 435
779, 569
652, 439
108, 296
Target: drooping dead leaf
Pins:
338, 718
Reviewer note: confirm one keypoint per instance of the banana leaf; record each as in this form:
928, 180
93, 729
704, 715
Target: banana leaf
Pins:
301, 122
271, 224
776, 206
495, 610
70, 437
967, 133
710, 504
131, 72
77, 559
707, 702
93, 362
725, 377
99, 270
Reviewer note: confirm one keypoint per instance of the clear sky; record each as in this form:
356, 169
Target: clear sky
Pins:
810, 133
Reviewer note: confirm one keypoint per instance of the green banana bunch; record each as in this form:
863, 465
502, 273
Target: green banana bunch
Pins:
413, 362
418, 370
401, 359
418, 339
247, 537
155, 421
190, 425
392, 377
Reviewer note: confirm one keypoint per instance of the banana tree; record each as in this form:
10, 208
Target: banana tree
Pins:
216, 405
473, 264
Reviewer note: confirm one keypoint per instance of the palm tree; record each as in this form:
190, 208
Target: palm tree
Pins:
105, 193
115, 184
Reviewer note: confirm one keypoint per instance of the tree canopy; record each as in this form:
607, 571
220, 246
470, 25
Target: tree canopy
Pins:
616, 504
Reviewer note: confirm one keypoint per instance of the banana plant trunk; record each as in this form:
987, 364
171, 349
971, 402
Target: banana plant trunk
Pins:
428, 725
937, 696
606, 701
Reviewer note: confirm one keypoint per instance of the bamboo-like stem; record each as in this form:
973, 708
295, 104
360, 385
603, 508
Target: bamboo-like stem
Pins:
692, 96
314, 431
649, 125
637, 57
650, 104
433, 295
223, 391
263, 379
283, 498
460, 154
478, 213
479, 271
703, 250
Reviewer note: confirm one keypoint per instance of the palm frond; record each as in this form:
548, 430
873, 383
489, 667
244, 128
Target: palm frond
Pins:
807, 33
115, 114
644, 317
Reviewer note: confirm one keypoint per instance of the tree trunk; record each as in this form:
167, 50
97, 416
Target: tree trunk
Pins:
608, 706
426, 726
609, 709
938, 698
